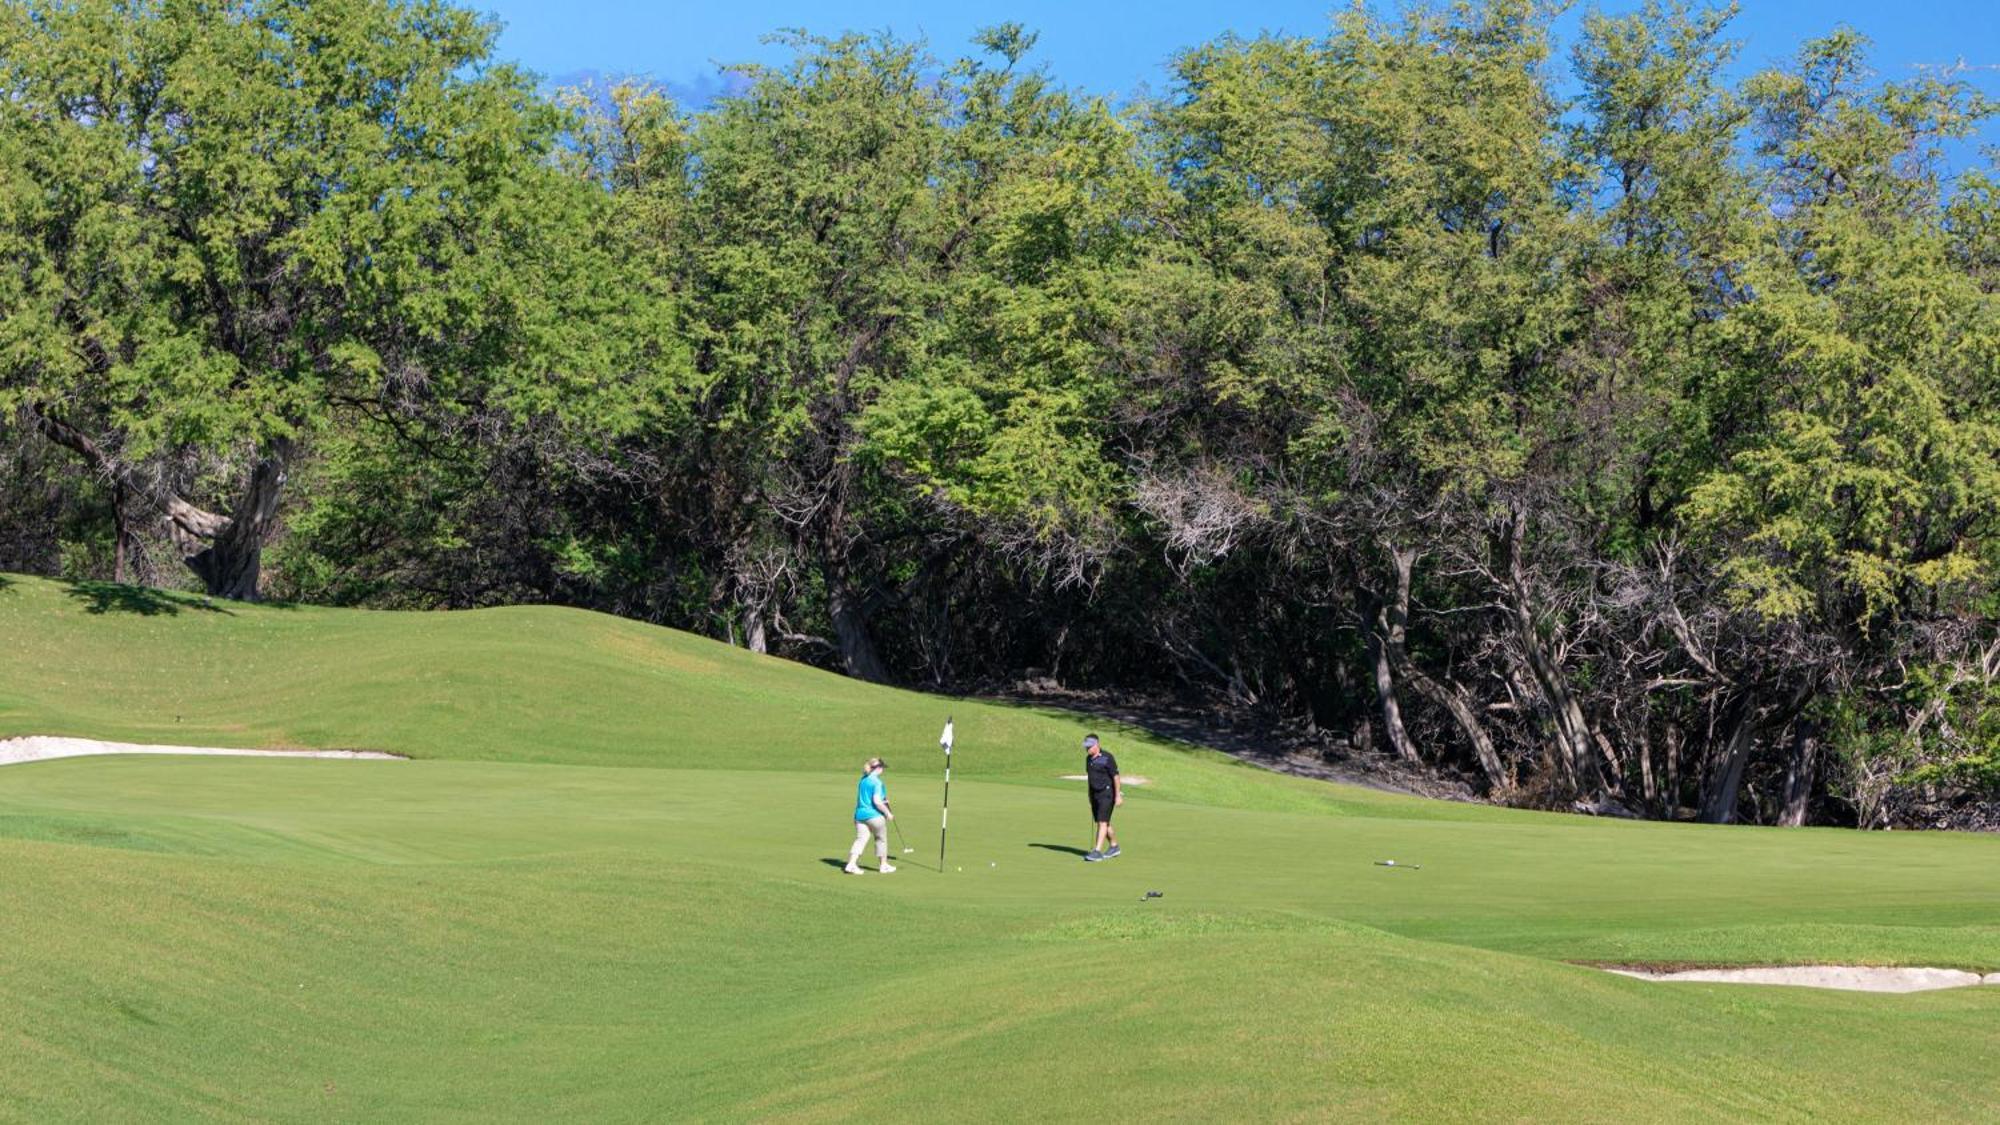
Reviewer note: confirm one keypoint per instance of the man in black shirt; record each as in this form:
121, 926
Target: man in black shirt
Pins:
1106, 793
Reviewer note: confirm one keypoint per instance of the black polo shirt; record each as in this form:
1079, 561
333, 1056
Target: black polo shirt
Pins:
1100, 769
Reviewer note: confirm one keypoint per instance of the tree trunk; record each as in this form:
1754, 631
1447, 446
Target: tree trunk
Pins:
1799, 774
1672, 789
1725, 783
231, 564
121, 556
1649, 788
1571, 732
226, 552
1452, 698
1725, 780
1395, 628
1614, 764
853, 637
1385, 695
229, 572
754, 637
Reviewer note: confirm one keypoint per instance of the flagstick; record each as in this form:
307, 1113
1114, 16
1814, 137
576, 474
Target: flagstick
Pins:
944, 816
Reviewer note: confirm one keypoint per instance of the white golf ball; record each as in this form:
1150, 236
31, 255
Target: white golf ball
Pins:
961, 869
992, 865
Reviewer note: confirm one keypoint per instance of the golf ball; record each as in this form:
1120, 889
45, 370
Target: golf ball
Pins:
961, 869
992, 865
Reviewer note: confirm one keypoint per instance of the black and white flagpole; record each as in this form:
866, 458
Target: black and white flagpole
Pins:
944, 816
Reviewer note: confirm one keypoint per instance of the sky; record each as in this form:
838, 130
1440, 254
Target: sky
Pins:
1120, 49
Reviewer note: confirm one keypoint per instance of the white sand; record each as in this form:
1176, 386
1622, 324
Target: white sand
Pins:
1850, 978
41, 748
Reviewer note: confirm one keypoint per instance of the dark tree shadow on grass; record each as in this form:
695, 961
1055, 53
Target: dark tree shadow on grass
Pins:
113, 597
1060, 848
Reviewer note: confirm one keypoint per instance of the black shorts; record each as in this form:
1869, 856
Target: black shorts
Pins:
1102, 801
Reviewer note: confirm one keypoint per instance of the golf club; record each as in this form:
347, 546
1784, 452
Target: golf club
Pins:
900, 842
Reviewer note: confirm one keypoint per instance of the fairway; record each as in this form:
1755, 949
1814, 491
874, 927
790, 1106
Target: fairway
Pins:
608, 888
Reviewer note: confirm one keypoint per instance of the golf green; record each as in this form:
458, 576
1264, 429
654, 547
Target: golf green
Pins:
608, 888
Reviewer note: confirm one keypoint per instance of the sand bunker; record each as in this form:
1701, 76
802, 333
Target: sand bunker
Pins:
1850, 978
41, 748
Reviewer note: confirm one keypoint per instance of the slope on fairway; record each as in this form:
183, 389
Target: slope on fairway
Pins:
298, 939
530, 684
623, 903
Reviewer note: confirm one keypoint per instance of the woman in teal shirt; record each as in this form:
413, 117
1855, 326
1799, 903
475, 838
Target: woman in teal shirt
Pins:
871, 818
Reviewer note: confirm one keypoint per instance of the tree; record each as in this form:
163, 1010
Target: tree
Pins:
1856, 417
233, 225
895, 280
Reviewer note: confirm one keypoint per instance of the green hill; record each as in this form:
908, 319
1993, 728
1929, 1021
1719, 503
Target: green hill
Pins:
606, 888
526, 684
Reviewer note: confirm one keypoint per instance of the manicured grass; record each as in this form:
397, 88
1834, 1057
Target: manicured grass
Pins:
617, 905
532, 684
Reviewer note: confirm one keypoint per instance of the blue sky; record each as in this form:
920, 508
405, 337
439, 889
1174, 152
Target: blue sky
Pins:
1120, 49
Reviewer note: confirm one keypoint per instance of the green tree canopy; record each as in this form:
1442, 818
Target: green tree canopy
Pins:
247, 219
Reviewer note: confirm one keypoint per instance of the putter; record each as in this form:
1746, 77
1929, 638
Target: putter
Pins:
904, 844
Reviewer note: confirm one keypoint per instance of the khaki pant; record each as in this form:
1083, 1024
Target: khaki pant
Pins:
876, 827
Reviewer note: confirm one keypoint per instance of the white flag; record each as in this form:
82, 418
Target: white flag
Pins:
944, 740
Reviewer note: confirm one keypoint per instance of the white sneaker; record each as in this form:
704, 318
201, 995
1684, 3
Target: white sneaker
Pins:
887, 867
851, 869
